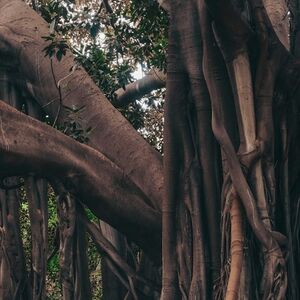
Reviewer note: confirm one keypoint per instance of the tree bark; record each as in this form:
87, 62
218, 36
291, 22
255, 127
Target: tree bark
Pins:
21, 33
84, 171
231, 119
155, 79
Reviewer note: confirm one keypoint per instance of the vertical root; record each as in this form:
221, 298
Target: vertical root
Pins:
237, 242
36, 190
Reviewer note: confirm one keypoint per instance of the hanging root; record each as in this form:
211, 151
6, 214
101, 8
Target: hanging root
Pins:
36, 190
239, 69
274, 282
12, 262
237, 244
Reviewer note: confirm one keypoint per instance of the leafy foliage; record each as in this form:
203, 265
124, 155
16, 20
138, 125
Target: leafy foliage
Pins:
74, 125
56, 47
110, 43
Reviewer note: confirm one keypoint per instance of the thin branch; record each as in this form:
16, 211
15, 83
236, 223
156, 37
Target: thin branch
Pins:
155, 79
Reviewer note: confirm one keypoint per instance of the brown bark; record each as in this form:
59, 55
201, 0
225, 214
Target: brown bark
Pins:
14, 281
13, 274
237, 245
37, 191
111, 285
232, 70
165, 4
80, 168
239, 70
21, 35
106, 123
109, 251
155, 79
74, 271
37, 195
191, 49
277, 11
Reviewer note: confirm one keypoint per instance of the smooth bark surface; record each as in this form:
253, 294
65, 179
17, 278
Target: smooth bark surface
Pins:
21, 32
79, 167
154, 80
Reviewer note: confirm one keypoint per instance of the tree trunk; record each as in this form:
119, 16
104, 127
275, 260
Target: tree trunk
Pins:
230, 207
232, 76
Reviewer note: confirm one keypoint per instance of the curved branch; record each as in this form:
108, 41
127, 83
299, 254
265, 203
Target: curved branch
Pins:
270, 240
29, 146
154, 80
21, 32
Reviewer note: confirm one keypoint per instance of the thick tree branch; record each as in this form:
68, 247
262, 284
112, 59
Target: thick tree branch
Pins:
155, 79
21, 32
86, 173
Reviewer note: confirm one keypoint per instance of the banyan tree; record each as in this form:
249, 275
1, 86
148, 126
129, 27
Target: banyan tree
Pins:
217, 216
